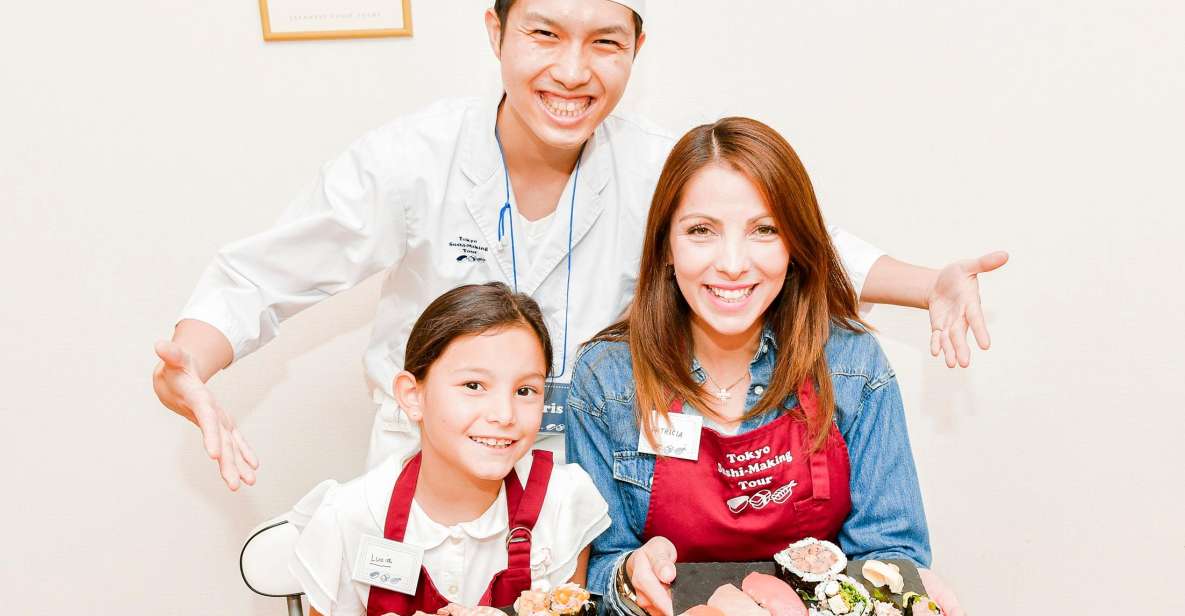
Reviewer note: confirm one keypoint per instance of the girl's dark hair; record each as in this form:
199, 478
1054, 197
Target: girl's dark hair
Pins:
502, 9
469, 310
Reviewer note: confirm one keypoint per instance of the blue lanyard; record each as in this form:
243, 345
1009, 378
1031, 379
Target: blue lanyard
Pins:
506, 218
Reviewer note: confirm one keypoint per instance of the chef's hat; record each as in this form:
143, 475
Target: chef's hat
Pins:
638, 6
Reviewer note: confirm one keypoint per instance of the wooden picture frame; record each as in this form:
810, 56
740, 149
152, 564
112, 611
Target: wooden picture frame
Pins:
296, 20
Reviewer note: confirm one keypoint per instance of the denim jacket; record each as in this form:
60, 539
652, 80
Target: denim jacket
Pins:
887, 519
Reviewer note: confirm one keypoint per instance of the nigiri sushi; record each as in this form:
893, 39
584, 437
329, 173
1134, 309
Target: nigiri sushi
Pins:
730, 600
703, 610
773, 594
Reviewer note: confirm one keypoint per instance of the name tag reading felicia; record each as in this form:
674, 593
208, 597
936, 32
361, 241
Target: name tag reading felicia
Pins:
678, 437
388, 564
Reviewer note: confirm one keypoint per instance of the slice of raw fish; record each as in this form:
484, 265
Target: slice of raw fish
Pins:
883, 574
773, 594
703, 610
730, 600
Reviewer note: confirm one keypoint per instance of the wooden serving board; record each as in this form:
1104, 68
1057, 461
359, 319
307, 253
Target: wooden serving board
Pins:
695, 582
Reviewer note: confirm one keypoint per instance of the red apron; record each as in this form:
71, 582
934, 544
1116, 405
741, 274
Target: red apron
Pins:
750, 495
523, 507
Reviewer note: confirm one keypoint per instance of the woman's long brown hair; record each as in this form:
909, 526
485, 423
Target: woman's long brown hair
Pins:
816, 294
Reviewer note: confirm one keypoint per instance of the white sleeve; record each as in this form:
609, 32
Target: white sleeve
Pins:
856, 255
345, 227
320, 563
580, 515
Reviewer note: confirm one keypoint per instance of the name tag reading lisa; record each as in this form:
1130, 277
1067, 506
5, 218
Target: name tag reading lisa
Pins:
677, 438
388, 564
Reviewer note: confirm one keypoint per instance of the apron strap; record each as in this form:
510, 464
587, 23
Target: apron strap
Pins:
525, 511
401, 497
820, 474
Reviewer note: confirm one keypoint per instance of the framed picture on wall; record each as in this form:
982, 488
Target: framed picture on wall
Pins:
294, 20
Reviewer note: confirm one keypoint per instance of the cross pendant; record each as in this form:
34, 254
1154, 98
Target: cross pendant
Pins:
723, 394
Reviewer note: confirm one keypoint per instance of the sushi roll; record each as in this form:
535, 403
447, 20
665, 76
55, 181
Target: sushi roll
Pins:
843, 596
920, 605
563, 600
807, 562
571, 600
882, 608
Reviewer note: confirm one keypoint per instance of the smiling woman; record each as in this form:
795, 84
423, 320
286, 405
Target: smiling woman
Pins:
745, 364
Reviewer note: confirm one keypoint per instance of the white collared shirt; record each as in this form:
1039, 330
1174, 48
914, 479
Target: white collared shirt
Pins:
461, 559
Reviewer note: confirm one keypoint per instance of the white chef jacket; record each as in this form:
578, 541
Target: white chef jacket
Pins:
420, 200
461, 559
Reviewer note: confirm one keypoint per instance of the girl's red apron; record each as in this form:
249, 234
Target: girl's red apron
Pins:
750, 495
522, 506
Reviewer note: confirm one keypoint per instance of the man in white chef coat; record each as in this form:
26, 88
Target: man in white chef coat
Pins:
543, 188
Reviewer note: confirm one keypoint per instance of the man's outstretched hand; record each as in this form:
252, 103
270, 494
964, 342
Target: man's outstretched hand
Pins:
955, 306
177, 382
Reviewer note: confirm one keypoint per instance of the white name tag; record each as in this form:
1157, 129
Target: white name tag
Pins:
388, 564
677, 439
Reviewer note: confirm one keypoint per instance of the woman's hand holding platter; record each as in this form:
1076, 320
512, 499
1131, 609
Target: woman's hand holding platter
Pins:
942, 594
651, 569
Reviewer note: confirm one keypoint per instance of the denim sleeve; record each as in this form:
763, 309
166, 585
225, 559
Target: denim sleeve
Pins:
612, 602
589, 444
887, 518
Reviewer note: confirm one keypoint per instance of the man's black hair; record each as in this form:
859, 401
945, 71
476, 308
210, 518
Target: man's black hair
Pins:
502, 8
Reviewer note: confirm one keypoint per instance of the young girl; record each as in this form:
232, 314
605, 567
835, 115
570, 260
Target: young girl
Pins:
468, 517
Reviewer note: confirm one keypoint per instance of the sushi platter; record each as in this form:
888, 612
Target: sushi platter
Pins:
808, 578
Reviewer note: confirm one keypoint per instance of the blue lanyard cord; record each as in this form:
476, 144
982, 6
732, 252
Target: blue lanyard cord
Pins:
506, 216
568, 284
506, 212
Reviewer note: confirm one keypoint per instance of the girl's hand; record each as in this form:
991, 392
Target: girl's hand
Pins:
942, 594
651, 569
954, 306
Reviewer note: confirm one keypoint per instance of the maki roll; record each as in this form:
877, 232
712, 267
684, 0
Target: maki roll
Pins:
563, 600
920, 605
571, 600
843, 596
807, 562
882, 608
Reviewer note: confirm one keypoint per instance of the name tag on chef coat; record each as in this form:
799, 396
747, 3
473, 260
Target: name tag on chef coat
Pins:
555, 397
388, 564
677, 439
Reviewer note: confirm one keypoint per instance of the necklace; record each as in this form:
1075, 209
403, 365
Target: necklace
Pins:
722, 392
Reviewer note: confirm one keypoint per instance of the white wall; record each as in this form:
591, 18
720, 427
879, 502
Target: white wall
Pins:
139, 136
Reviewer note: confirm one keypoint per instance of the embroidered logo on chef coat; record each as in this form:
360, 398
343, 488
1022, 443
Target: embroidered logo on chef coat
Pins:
469, 250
